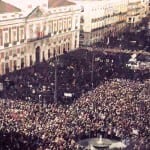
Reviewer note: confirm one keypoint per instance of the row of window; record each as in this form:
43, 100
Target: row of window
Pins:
11, 36
102, 18
12, 65
51, 26
17, 34
108, 7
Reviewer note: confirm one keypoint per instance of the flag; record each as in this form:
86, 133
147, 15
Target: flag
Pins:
108, 41
1, 86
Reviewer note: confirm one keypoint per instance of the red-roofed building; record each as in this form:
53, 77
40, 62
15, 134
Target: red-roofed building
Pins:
7, 8
59, 3
30, 37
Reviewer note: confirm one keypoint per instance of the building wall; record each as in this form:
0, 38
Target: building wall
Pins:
135, 12
145, 5
52, 32
100, 19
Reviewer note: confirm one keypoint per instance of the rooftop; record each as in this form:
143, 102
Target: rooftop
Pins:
59, 3
7, 8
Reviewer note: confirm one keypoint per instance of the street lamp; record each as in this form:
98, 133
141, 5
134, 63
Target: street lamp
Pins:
55, 82
92, 68
92, 73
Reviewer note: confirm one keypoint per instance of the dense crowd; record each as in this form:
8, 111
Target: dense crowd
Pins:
75, 74
118, 108
107, 98
133, 37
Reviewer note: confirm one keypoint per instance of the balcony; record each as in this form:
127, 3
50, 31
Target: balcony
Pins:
35, 39
40, 38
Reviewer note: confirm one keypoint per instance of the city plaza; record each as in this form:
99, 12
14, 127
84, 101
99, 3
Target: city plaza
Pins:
65, 82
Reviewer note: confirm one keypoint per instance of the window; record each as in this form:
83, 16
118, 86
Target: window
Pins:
69, 22
54, 52
6, 67
43, 56
82, 20
14, 36
49, 54
55, 26
75, 44
133, 19
68, 46
38, 31
22, 62
59, 50
50, 27
21, 34
10, 53
6, 40
3, 68
31, 61
15, 65
129, 19
64, 24
1, 40
31, 31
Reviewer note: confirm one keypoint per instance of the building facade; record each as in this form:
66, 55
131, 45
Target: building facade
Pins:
100, 19
135, 12
29, 38
38, 31
145, 4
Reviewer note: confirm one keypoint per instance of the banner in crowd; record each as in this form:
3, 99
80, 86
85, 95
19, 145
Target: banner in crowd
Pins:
1, 86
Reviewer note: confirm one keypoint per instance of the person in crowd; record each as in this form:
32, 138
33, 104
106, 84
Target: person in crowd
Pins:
117, 107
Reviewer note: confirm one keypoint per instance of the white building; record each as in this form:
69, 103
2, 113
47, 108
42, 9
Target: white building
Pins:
100, 18
135, 12
28, 38
145, 4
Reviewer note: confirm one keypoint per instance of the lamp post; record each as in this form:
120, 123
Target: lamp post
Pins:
92, 73
92, 69
55, 76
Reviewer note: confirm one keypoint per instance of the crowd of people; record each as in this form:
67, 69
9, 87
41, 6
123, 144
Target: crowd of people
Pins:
106, 98
118, 108
75, 74
97, 94
133, 37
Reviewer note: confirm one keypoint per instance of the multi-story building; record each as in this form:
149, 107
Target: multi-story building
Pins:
100, 18
135, 12
28, 38
149, 7
145, 5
